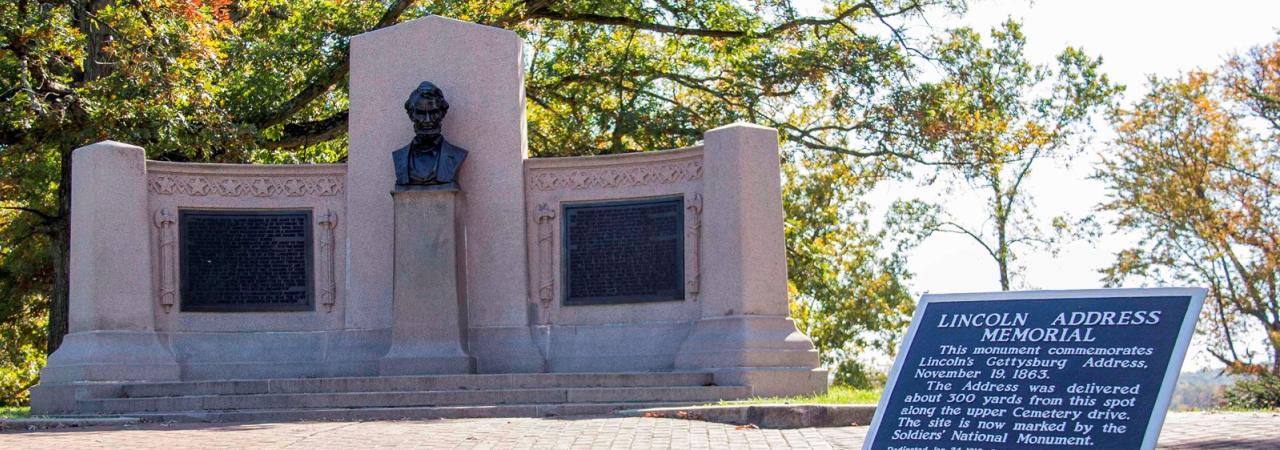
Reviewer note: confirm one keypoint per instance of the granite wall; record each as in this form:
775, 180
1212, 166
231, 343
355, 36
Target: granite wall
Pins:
127, 323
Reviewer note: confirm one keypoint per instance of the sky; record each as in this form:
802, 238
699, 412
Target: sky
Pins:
1136, 39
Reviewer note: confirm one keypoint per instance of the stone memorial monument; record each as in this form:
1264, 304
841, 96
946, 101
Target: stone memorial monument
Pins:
438, 268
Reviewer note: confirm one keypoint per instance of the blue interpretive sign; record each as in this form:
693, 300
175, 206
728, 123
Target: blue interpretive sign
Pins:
1087, 369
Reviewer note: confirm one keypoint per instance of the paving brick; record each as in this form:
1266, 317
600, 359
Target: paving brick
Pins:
1182, 431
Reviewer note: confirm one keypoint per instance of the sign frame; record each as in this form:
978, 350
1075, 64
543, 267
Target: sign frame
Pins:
1168, 383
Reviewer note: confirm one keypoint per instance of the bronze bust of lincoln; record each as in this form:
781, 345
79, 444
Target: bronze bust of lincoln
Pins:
429, 160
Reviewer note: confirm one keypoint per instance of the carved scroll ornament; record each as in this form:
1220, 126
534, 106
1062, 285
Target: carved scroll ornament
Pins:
328, 285
544, 217
693, 235
166, 243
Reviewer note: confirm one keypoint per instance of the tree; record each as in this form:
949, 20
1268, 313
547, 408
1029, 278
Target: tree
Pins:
847, 281
264, 81
1193, 174
993, 117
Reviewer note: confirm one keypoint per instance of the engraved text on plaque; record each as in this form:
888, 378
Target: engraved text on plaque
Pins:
240, 261
624, 251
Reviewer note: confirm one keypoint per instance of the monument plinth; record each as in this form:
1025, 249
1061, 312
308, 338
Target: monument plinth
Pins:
426, 333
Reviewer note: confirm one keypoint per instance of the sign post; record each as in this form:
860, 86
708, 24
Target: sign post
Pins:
1088, 369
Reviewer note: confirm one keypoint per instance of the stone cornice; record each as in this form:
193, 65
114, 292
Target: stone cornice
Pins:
245, 180
614, 171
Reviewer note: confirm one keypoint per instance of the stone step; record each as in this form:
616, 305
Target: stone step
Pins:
400, 413
414, 383
414, 399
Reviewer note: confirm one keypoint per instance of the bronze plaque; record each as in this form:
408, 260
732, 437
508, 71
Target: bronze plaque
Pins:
245, 261
624, 251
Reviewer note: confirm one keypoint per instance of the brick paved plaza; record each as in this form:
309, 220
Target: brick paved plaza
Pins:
1181, 431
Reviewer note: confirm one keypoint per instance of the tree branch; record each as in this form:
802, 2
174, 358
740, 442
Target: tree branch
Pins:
512, 17
310, 133
897, 34
599, 19
44, 216
965, 231
340, 63
806, 138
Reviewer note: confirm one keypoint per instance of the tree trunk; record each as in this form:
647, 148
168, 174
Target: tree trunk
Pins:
59, 297
95, 39
1273, 338
1002, 249
1001, 216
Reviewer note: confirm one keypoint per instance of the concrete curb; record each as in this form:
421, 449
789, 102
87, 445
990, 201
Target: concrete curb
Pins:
64, 422
767, 416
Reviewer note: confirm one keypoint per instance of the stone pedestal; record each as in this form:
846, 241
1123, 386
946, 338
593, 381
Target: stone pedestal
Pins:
481, 72
744, 335
112, 307
426, 335
112, 321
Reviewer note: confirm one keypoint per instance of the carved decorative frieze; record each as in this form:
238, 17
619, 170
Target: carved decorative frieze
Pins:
166, 244
327, 281
544, 217
693, 239
616, 176
244, 186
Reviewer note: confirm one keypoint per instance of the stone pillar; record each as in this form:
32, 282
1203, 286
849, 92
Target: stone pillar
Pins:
479, 69
744, 334
426, 337
112, 306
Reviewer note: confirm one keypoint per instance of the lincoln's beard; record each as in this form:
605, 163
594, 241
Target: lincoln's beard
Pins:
426, 141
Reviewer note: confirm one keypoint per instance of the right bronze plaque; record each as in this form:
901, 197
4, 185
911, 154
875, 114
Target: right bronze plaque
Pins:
624, 251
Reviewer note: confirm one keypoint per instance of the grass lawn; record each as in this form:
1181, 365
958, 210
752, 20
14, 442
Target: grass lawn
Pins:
834, 395
1226, 409
14, 412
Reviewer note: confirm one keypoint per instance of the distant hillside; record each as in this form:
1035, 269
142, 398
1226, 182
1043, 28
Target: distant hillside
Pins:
1199, 390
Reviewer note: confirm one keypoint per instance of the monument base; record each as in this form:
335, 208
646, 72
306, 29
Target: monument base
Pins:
774, 381
425, 365
766, 353
506, 350
87, 360
426, 333
110, 356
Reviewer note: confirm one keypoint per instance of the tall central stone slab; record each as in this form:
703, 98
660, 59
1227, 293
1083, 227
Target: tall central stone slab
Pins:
481, 72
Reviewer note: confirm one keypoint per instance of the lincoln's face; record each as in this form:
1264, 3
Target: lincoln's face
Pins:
426, 113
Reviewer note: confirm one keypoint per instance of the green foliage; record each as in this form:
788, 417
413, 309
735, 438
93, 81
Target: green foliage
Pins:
1260, 391
22, 310
1193, 174
14, 412
21, 357
992, 118
848, 287
1201, 390
855, 374
835, 395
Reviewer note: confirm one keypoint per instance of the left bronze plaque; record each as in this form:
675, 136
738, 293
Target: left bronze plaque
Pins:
245, 261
